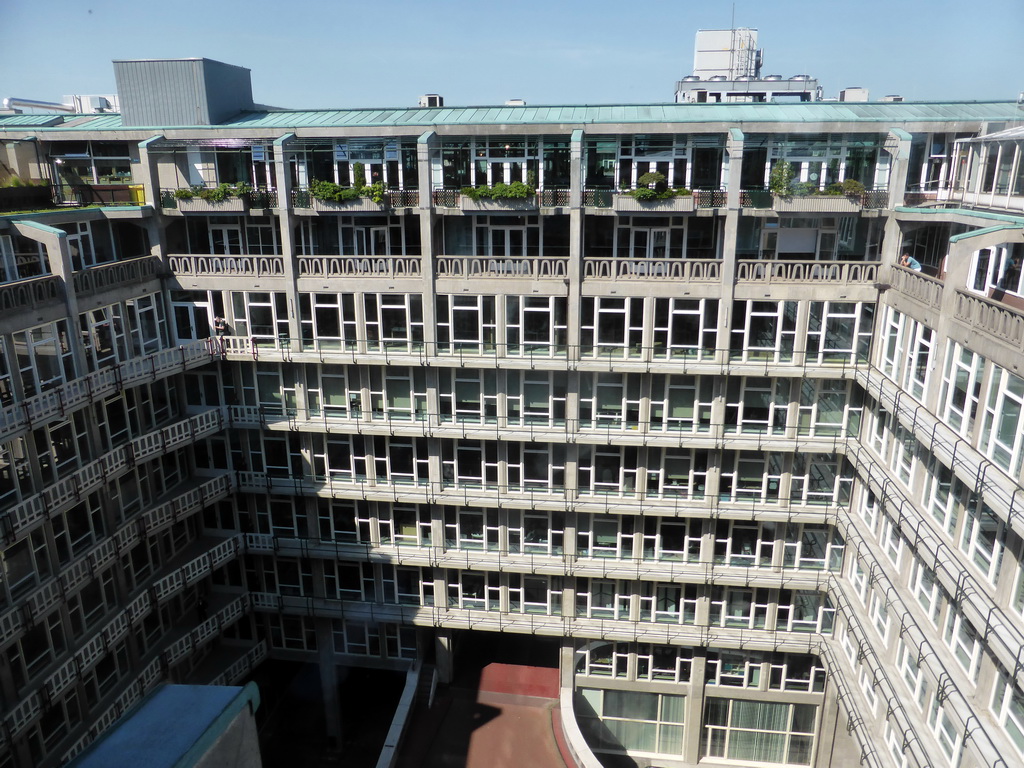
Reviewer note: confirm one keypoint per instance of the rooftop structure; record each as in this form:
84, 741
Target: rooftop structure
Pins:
359, 387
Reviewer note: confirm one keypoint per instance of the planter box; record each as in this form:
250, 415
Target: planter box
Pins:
362, 205
628, 204
198, 205
817, 204
487, 205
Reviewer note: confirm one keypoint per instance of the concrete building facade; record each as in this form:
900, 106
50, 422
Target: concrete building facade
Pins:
602, 374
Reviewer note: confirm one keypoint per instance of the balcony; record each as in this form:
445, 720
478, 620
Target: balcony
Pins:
624, 203
396, 198
186, 265
32, 293
834, 273
814, 203
116, 274
359, 266
994, 318
528, 267
238, 199
688, 270
923, 288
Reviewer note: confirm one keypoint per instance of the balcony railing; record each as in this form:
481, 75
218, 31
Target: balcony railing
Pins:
185, 265
34, 292
116, 274
690, 270
531, 267
832, 272
912, 283
396, 198
814, 203
626, 203
359, 266
994, 318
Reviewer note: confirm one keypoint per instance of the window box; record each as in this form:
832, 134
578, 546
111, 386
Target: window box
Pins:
483, 205
198, 205
678, 204
361, 205
817, 204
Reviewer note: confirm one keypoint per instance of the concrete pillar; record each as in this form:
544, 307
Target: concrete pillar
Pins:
149, 174
897, 144
443, 654
285, 220
329, 681
693, 717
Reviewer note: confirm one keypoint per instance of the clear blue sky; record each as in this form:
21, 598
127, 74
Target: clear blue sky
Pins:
318, 53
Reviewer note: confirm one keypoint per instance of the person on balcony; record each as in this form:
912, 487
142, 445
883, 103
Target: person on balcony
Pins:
910, 262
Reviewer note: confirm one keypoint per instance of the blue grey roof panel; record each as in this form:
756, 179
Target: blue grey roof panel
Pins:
802, 112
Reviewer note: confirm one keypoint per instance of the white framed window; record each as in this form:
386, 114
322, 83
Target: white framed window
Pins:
677, 472
612, 327
681, 403
803, 610
328, 320
948, 735
891, 540
859, 577
407, 585
685, 328
820, 478
961, 387
603, 598
535, 467
536, 326
631, 722
983, 539
878, 615
839, 331
962, 639
536, 532
535, 397
894, 744
394, 321
1002, 438
759, 731
397, 393
909, 665
925, 588
1008, 707
609, 401
739, 607
866, 681
469, 463
672, 538
751, 476
466, 324
744, 543
468, 395
262, 316
668, 603
401, 460
941, 493
535, 595
44, 357
813, 546
755, 404
607, 469
604, 535
763, 330
404, 524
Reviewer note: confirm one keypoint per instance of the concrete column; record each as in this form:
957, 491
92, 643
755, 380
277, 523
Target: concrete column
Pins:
329, 682
694, 714
427, 144
897, 144
149, 173
574, 270
285, 221
443, 655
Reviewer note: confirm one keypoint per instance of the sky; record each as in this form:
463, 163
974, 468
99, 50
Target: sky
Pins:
323, 54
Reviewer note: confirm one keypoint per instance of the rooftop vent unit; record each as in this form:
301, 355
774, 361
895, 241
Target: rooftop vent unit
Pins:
691, 79
717, 78
515, 103
800, 77
744, 78
431, 100
892, 98
773, 77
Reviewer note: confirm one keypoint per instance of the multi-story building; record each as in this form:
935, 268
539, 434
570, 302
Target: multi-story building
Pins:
762, 480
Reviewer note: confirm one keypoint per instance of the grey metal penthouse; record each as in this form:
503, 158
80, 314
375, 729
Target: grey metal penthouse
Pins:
356, 386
